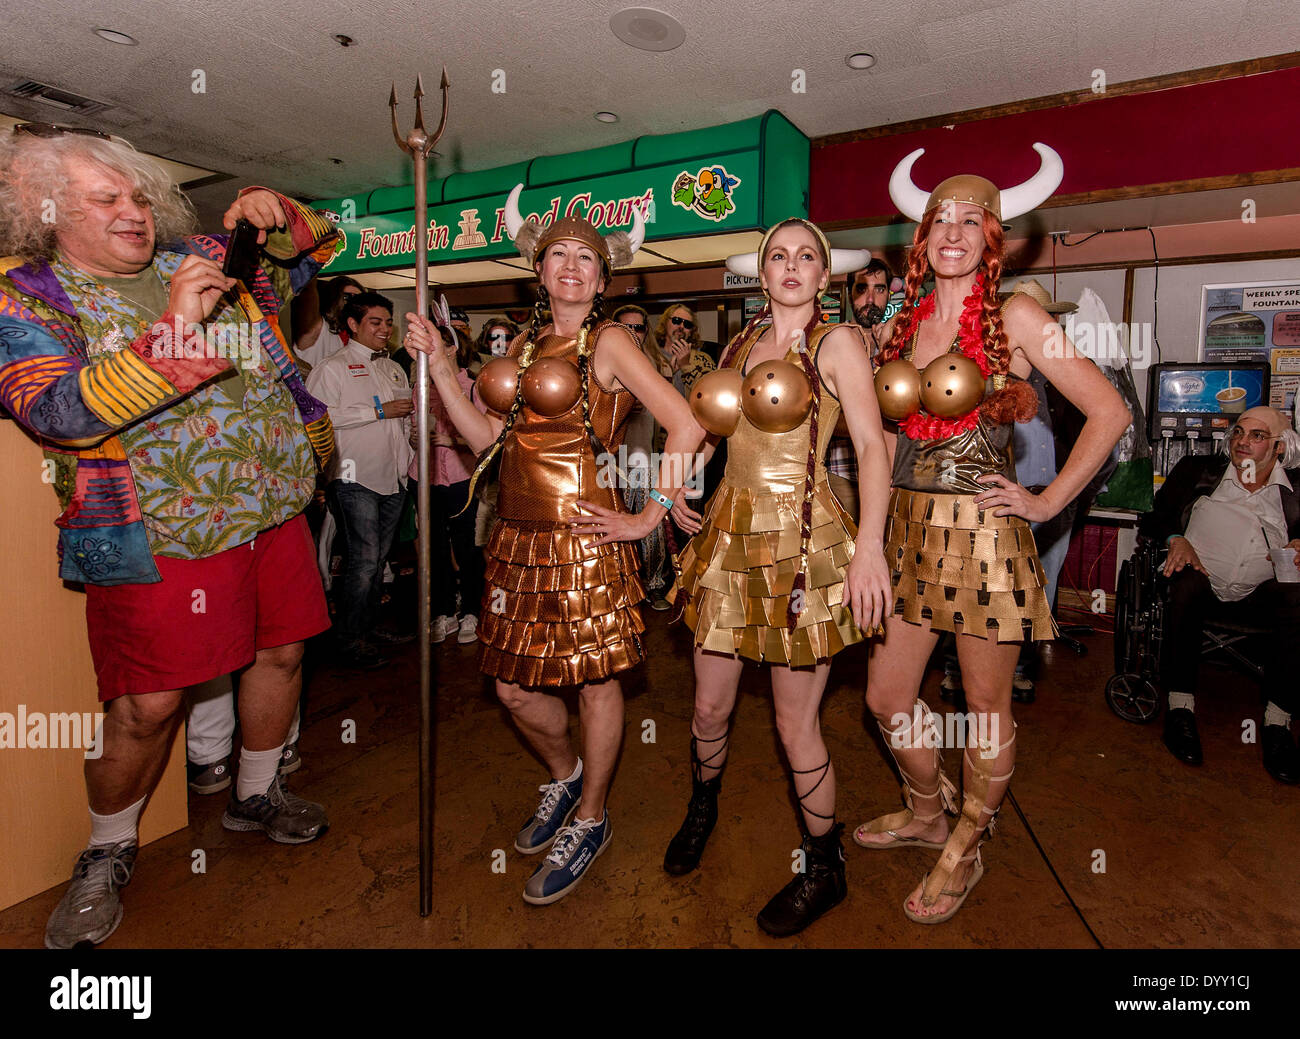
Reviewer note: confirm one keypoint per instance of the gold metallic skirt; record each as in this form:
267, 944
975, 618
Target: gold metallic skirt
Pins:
955, 565
740, 569
557, 612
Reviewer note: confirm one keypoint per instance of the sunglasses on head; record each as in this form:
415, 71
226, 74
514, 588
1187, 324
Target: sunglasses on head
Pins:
635, 326
55, 130
677, 319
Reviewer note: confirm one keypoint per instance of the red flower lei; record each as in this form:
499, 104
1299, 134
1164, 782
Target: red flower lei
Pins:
970, 338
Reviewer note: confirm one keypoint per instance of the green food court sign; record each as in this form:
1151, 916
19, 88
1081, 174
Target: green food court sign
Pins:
738, 177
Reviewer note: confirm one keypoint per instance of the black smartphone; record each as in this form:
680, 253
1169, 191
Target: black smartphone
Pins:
242, 252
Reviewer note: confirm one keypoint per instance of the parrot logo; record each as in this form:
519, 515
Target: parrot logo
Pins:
708, 193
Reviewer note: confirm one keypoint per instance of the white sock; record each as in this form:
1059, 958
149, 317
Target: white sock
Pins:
576, 773
1274, 715
118, 827
1177, 700
256, 771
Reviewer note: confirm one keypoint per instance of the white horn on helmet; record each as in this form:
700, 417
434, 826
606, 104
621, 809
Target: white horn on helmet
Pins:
636, 236
909, 199
743, 264
514, 220
844, 260
1037, 189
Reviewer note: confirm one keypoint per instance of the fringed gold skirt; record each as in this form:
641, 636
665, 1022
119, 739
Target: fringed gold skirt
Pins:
557, 612
955, 565
739, 572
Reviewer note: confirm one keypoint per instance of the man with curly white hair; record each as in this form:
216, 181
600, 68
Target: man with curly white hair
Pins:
184, 447
1226, 519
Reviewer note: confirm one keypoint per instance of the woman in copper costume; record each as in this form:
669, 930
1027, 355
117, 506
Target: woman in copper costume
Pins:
958, 536
779, 573
561, 587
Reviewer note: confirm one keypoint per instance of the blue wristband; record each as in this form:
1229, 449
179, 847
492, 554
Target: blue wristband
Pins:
662, 499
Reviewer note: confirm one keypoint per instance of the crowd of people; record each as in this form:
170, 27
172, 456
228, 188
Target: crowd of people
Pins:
869, 493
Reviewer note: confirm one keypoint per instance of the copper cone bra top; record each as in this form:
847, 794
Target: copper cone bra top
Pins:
552, 385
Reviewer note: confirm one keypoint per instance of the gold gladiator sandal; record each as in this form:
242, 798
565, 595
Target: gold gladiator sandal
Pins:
975, 797
944, 789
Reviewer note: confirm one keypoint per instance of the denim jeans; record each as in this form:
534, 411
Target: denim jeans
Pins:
368, 523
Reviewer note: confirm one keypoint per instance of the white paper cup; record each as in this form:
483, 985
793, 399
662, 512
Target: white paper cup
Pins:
1284, 565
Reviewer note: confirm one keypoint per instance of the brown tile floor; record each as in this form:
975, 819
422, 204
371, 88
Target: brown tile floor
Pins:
1193, 857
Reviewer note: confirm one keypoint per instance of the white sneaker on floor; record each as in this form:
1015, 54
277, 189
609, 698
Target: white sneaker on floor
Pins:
468, 629
442, 627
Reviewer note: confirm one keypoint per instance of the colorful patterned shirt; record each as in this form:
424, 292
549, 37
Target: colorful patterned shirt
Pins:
211, 472
157, 446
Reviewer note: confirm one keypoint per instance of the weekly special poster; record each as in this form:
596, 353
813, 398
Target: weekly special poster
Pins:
1256, 322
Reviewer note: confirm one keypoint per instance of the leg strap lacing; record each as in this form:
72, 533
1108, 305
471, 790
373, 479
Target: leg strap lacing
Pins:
698, 764
904, 743
824, 769
975, 800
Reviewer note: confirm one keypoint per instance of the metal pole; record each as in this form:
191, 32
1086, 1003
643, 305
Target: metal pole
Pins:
418, 144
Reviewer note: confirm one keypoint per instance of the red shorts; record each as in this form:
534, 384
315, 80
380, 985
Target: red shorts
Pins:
207, 617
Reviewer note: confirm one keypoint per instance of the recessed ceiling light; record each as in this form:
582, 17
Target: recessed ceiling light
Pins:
647, 29
113, 36
860, 60
606, 117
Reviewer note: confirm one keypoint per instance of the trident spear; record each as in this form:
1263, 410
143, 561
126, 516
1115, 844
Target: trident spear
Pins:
418, 144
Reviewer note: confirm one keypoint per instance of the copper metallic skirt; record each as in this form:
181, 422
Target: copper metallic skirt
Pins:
954, 565
740, 569
557, 612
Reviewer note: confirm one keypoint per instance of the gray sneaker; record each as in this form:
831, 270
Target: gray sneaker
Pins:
209, 779
290, 759
282, 816
90, 909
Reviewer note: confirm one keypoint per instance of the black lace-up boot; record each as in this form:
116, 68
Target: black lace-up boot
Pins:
821, 887
687, 845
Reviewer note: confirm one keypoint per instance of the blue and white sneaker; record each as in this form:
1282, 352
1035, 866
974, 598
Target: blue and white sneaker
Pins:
576, 847
559, 802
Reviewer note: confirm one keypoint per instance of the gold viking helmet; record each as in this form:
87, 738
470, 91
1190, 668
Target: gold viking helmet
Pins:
1006, 205
531, 238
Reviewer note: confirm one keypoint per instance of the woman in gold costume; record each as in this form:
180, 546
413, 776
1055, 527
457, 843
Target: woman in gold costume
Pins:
957, 538
561, 587
780, 573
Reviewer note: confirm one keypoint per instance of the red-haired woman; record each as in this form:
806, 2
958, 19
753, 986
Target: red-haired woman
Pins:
958, 536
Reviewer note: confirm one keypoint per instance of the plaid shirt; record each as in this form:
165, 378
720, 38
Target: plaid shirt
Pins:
841, 460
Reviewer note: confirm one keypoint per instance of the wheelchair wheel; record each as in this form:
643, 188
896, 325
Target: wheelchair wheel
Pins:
1133, 698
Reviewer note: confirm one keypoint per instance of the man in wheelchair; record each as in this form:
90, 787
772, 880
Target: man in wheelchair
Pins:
1224, 518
